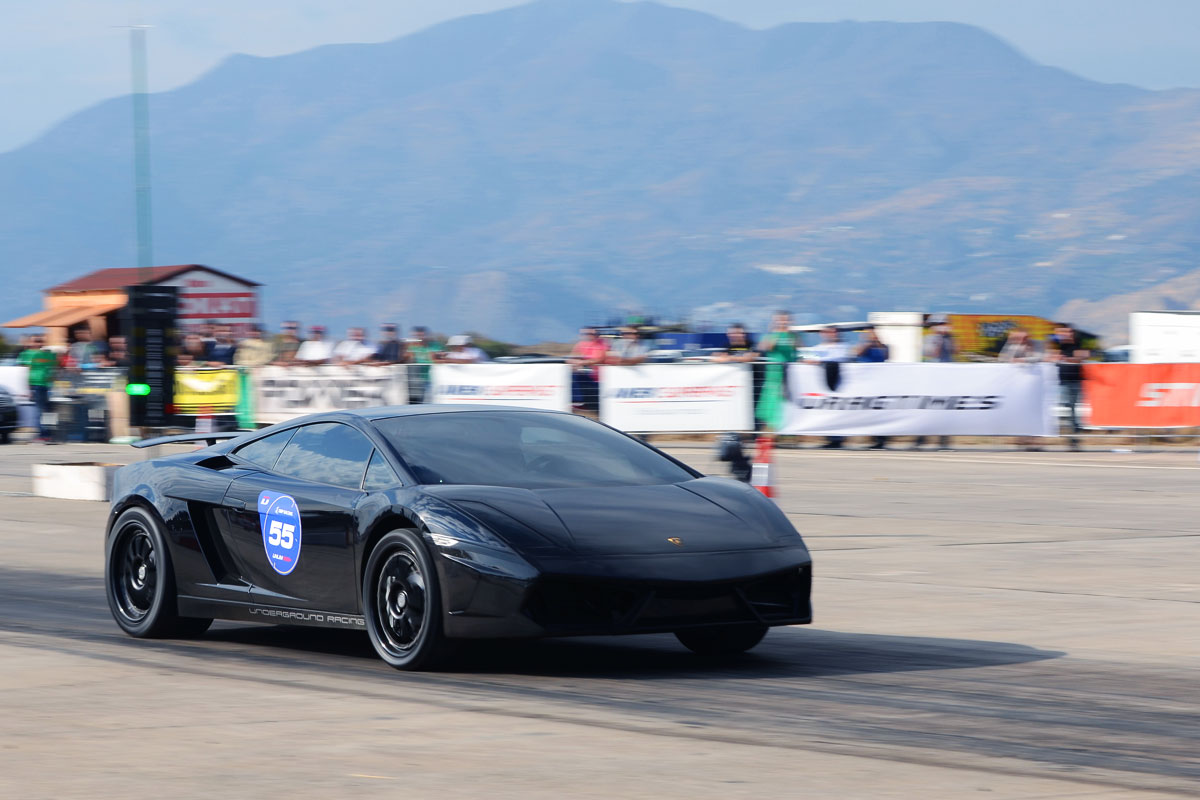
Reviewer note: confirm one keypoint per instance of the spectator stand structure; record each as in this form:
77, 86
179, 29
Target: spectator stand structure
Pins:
97, 299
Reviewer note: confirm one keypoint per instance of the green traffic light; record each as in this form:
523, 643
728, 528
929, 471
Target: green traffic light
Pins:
140, 389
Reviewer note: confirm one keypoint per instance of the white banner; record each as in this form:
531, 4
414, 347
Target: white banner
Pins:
281, 393
677, 397
922, 399
16, 380
545, 386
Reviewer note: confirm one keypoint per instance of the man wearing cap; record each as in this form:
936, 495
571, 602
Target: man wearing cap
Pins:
940, 348
586, 357
460, 350
629, 349
872, 350
315, 349
1069, 355
289, 343
354, 349
85, 352
830, 353
423, 350
390, 349
740, 346
939, 344
224, 346
254, 350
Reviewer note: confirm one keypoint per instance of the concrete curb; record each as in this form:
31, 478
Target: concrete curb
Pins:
87, 480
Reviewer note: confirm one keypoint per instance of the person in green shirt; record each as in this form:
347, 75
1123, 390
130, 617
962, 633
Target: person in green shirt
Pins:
43, 367
422, 350
778, 347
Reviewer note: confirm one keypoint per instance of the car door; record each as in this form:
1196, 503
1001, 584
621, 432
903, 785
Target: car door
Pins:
291, 530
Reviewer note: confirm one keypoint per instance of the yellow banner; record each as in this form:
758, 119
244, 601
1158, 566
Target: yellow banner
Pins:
985, 334
211, 391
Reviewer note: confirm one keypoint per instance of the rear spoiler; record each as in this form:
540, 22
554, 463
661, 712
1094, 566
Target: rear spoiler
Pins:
209, 438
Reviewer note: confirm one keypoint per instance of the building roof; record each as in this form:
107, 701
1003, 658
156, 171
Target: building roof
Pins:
120, 277
64, 317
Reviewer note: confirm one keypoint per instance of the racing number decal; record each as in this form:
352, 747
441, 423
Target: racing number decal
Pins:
281, 534
279, 519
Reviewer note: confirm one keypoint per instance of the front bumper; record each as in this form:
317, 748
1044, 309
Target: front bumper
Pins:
565, 606
501, 598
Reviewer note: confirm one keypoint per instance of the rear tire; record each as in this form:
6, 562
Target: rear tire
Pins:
721, 640
402, 603
139, 580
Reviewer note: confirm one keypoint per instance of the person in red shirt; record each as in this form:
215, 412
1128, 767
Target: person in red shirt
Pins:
586, 357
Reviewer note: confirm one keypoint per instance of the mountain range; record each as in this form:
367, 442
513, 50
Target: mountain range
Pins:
521, 172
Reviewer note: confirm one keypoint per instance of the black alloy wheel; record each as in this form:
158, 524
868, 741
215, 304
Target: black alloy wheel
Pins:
721, 640
402, 604
136, 577
140, 582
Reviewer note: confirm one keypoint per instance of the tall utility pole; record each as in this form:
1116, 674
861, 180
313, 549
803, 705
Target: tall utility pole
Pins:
141, 150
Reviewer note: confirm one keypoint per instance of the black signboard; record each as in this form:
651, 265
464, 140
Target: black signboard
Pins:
149, 325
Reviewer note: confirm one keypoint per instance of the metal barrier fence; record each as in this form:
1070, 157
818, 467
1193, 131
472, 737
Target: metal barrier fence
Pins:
80, 407
585, 384
87, 406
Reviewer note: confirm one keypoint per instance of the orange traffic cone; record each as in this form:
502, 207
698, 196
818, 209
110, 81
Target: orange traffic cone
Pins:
760, 470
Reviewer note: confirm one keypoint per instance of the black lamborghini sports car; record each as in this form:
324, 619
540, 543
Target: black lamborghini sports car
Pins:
426, 524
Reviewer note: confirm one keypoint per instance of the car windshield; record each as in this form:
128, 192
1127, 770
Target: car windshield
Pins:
524, 449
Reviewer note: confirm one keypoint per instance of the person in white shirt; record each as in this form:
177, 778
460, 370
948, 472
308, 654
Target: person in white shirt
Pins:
460, 350
831, 352
315, 350
354, 349
1019, 348
831, 348
629, 349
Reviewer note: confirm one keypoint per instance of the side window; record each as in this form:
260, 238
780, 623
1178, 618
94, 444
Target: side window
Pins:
263, 452
327, 452
379, 475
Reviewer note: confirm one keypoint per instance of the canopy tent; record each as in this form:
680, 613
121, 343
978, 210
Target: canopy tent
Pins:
64, 317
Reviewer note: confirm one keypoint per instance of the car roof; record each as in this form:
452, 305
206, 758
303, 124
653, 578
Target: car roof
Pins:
384, 412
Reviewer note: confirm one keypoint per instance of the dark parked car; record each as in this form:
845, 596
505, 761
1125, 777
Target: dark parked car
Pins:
8, 415
426, 524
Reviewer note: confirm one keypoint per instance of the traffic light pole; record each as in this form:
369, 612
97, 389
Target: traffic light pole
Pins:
150, 325
150, 313
141, 150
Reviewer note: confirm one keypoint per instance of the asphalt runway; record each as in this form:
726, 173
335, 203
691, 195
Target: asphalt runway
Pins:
988, 624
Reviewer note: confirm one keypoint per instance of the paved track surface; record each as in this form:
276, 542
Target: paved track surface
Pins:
988, 624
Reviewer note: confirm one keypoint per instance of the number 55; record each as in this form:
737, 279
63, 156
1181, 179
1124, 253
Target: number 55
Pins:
281, 534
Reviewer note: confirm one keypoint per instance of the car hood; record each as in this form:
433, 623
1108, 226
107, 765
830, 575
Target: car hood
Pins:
704, 515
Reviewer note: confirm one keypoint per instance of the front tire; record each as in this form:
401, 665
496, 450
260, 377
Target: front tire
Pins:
139, 580
402, 603
721, 640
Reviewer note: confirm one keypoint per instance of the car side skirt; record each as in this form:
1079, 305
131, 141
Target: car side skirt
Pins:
272, 615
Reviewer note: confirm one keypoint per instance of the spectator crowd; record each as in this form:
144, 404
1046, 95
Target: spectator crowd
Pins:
216, 345
781, 345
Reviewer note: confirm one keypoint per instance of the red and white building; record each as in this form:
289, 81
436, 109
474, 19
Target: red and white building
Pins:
97, 299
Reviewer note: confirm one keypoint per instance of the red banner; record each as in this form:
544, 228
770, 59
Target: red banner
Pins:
1143, 395
221, 306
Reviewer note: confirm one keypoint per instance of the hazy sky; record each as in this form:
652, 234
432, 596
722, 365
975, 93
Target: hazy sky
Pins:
58, 56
